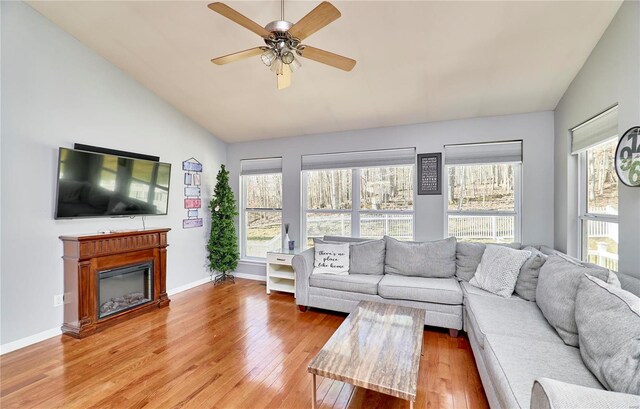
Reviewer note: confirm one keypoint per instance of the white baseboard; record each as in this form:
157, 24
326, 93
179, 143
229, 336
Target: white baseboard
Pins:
250, 276
188, 286
30, 340
50, 333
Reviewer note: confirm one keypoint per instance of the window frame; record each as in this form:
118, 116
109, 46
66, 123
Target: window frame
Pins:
242, 217
584, 216
355, 210
517, 200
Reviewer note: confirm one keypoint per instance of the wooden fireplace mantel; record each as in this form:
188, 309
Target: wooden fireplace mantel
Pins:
86, 255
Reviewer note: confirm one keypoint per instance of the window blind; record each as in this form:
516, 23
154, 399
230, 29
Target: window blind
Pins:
595, 131
477, 153
363, 159
260, 166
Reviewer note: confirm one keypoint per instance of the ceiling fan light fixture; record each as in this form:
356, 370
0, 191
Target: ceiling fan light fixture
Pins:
268, 57
295, 64
288, 57
277, 66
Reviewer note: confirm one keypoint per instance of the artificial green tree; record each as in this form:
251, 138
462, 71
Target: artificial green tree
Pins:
223, 241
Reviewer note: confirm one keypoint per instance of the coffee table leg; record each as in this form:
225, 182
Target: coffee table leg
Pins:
410, 404
313, 391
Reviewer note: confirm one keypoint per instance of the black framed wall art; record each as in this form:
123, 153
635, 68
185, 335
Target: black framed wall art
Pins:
430, 173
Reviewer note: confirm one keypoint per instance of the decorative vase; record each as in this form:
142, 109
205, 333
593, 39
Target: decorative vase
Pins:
286, 238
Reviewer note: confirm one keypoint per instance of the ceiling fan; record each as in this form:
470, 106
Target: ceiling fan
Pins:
284, 41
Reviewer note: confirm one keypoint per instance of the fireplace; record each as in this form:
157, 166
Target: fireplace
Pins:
110, 278
120, 289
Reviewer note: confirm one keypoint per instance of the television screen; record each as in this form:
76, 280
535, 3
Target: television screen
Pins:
97, 185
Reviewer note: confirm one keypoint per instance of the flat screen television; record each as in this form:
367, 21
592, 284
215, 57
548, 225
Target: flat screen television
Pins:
101, 185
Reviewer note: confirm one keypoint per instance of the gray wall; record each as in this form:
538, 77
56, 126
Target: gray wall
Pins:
610, 75
56, 91
535, 129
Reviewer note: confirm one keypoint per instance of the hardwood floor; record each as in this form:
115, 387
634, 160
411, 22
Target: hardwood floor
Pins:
230, 346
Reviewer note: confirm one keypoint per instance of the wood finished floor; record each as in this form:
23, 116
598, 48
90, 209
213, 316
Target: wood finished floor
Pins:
230, 346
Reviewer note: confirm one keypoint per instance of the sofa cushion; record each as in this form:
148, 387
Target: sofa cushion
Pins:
513, 363
608, 320
365, 257
359, 283
507, 316
435, 259
498, 270
556, 294
468, 256
549, 394
433, 290
528, 277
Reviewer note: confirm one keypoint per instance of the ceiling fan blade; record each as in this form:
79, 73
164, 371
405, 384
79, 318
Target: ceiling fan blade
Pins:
226, 59
236, 17
328, 58
284, 80
317, 18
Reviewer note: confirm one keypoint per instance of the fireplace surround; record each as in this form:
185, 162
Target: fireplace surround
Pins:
109, 278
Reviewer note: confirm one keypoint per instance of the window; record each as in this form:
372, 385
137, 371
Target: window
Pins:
595, 144
483, 191
345, 196
261, 217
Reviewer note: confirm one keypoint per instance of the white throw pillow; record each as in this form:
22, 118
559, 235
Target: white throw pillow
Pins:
498, 270
331, 259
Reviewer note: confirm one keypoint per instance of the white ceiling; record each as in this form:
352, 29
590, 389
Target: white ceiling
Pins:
418, 61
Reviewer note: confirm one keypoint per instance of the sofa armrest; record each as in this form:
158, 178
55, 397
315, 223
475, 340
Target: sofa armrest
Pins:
303, 266
551, 394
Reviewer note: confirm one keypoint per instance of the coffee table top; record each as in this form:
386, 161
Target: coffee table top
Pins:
377, 347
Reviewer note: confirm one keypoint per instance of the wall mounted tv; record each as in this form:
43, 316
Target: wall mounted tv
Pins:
102, 185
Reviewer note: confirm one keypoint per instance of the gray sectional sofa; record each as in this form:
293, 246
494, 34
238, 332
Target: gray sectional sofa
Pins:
522, 360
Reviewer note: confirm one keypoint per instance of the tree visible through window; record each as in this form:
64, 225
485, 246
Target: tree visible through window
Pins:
600, 209
262, 214
482, 202
362, 202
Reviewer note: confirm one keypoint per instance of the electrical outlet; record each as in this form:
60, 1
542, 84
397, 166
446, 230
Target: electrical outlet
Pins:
58, 300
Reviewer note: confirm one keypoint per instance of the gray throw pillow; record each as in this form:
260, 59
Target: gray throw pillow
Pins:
608, 320
365, 257
528, 277
556, 294
468, 256
434, 259
499, 269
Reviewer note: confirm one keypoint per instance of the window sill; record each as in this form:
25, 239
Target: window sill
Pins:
253, 261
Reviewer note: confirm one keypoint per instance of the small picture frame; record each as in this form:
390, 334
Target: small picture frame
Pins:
188, 178
429, 177
196, 179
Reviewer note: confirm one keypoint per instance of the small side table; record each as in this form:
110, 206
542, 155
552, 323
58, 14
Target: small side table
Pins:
280, 274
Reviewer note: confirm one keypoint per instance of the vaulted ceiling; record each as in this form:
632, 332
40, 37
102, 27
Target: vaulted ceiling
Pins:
418, 61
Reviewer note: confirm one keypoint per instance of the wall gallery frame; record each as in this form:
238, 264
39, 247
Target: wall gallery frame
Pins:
429, 177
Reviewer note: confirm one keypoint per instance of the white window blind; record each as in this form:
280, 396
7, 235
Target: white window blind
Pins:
364, 159
260, 166
478, 153
595, 131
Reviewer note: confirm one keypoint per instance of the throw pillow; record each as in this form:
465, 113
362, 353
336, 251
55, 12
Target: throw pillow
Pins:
468, 256
608, 320
331, 259
434, 259
499, 269
556, 294
528, 277
365, 257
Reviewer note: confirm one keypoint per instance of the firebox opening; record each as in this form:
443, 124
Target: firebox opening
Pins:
123, 288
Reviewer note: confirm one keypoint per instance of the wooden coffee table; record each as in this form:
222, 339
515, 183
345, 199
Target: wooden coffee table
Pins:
377, 347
